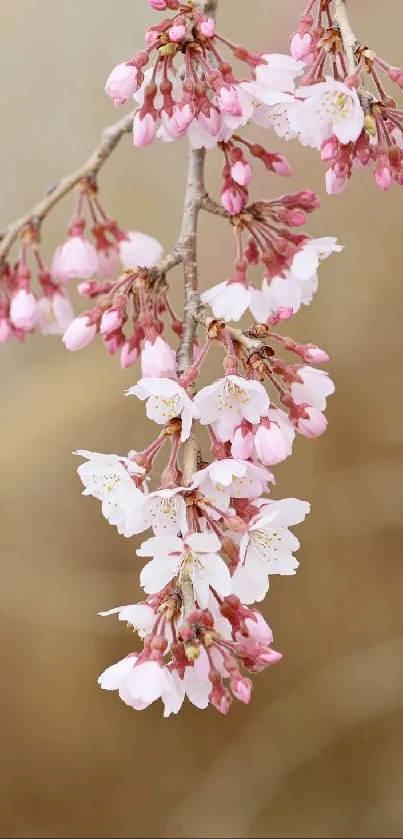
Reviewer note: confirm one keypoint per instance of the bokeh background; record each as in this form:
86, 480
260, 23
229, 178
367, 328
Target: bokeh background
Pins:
320, 750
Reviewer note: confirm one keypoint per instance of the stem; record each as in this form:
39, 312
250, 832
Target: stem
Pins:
347, 34
195, 192
110, 139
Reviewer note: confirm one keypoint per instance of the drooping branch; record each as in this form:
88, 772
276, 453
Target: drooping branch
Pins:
110, 138
347, 34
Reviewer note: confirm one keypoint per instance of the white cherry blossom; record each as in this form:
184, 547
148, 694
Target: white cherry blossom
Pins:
306, 260
228, 300
266, 548
139, 615
164, 510
315, 386
166, 399
108, 477
196, 556
229, 400
139, 684
331, 108
229, 478
278, 72
195, 684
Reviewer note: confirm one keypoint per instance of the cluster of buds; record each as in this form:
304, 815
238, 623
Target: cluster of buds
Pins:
24, 307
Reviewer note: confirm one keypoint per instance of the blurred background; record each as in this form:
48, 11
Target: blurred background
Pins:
320, 750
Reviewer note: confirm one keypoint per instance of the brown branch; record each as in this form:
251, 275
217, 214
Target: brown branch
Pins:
347, 34
187, 247
110, 139
250, 344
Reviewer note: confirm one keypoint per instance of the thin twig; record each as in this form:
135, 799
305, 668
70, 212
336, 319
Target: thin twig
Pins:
347, 34
110, 139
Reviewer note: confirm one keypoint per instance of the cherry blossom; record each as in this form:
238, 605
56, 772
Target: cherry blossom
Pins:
139, 249
331, 108
196, 556
230, 478
266, 548
312, 387
226, 402
166, 399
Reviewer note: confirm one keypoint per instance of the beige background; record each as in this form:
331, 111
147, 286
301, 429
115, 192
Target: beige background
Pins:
320, 750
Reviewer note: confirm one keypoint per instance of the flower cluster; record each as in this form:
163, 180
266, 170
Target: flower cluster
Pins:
213, 533
342, 107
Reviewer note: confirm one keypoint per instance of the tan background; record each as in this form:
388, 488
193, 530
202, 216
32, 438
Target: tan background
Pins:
320, 750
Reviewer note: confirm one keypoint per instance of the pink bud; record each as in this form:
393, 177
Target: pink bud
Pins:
242, 442
271, 657
183, 115
110, 321
229, 103
128, 355
112, 343
296, 218
157, 358
241, 688
383, 177
335, 184
241, 173
281, 166
311, 353
211, 122
150, 37
258, 629
314, 424
207, 28
221, 701
121, 84
271, 444
24, 311
231, 200
144, 129
301, 45
79, 334
177, 32
158, 5
328, 149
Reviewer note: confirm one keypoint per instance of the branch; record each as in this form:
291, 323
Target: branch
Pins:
250, 344
347, 34
110, 139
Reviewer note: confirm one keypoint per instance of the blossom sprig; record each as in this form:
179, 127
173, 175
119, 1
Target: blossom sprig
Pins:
200, 492
345, 110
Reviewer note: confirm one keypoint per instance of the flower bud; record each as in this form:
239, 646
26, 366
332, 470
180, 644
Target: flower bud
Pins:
79, 334
121, 84
24, 311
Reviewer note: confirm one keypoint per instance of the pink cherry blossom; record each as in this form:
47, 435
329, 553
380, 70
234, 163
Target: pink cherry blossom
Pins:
207, 27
